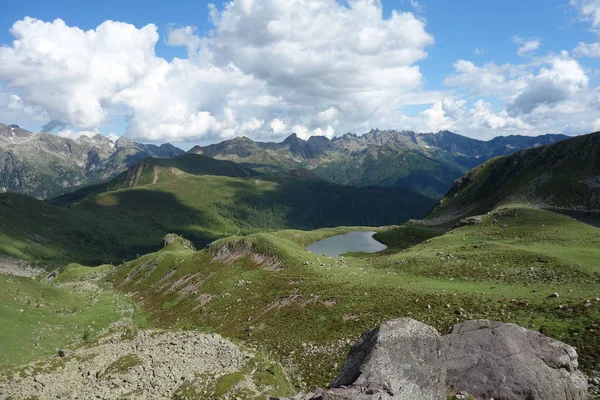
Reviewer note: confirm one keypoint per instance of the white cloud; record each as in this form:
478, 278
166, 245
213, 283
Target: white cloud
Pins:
273, 67
278, 126
587, 50
73, 74
526, 46
14, 110
252, 124
304, 133
263, 60
185, 36
478, 51
113, 136
548, 94
490, 79
70, 134
551, 85
589, 11
329, 116
417, 6
559, 79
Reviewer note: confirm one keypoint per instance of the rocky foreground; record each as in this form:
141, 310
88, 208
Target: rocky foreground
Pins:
150, 365
401, 359
480, 359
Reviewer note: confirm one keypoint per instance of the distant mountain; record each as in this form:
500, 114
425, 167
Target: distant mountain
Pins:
427, 163
563, 175
43, 165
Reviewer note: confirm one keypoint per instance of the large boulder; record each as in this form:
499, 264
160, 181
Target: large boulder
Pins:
402, 358
505, 361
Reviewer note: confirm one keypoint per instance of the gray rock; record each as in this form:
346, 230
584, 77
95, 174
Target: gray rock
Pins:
402, 357
475, 220
504, 361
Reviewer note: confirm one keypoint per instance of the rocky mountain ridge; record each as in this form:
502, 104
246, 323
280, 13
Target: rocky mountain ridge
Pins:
427, 163
44, 165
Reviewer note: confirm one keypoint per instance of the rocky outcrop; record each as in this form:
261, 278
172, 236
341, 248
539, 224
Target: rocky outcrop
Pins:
402, 356
505, 361
405, 359
151, 365
172, 238
469, 221
400, 359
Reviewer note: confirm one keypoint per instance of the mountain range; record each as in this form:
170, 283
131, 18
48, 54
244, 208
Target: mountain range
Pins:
44, 165
427, 163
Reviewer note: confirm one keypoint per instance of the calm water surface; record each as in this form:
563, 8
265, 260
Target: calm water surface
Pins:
334, 246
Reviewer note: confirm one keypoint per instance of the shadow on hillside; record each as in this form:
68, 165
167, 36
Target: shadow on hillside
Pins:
587, 218
403, 237
135, 224
310, 204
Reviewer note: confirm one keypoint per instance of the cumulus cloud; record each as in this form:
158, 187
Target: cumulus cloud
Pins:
74, 74
14, 110
562, 80
272, 67
278, 126
329, 116
185, 36
488, 80
263, 61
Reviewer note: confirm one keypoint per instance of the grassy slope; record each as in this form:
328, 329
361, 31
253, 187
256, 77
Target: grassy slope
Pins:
38, 317
564, 174
154, 170
121, 224
307, 309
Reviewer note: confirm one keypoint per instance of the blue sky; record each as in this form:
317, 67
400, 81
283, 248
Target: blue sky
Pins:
267, 68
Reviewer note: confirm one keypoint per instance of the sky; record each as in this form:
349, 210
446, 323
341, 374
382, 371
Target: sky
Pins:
195, 72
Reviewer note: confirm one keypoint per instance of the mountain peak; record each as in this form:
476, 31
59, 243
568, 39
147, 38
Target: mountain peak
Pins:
292, 138
124, 142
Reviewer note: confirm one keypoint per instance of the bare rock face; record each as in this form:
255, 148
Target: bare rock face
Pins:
171, 238
505, 361
402, 358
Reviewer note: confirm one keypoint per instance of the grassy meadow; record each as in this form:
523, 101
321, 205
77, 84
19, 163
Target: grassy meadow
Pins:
306, 310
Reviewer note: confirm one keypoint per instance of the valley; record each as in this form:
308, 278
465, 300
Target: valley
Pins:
181, 248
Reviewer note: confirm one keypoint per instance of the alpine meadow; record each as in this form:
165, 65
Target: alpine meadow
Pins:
300, 200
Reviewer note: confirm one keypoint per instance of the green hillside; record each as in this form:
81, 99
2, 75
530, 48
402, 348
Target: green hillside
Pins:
565, 175
155, 170
38, 317
392, 168
131, 214
268, 291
